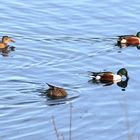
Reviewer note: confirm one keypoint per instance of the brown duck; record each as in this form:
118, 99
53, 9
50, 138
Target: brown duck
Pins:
56, 92
5, 41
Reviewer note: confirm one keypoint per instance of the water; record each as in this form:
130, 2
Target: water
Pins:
59, 42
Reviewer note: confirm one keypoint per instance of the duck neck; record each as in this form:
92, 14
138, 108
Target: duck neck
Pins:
117, 77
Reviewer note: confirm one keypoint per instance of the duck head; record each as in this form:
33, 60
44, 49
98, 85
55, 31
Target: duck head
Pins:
123, 72
138, 34
6, 40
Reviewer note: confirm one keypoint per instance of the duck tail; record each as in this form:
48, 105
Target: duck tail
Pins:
119, 41
93, 74
51, 86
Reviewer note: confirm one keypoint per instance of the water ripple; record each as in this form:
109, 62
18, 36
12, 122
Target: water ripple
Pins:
59, 42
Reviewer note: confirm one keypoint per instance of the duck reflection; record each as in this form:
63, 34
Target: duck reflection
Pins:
127, 45
109, 78
123, 84
7, 50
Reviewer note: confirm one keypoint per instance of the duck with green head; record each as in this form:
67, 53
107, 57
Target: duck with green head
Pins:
129, 40
109, 77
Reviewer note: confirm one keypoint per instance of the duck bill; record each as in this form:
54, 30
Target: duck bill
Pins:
12, 40
127, 77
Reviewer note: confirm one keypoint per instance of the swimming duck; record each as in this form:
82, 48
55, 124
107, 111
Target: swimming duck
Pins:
109, 77
4, 42
129, 40
56, 92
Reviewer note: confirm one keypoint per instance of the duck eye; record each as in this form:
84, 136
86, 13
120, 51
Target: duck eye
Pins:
6, 38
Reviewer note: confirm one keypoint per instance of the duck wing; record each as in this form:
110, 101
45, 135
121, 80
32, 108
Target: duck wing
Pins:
94, 74
50, 86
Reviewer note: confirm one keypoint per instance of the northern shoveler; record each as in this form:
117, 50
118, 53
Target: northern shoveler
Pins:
109, 77
129, 40
4, 42
56, 92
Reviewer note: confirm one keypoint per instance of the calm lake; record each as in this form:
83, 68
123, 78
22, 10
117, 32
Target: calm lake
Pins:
60, 42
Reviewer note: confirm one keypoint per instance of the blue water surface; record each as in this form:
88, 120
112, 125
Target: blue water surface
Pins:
59, 42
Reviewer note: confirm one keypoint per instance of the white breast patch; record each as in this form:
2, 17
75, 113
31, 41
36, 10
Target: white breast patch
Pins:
98, 77
117, 78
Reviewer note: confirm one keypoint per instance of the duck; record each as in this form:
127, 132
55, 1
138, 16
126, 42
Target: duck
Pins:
128, 40
5, 41
55, 92
110, 77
